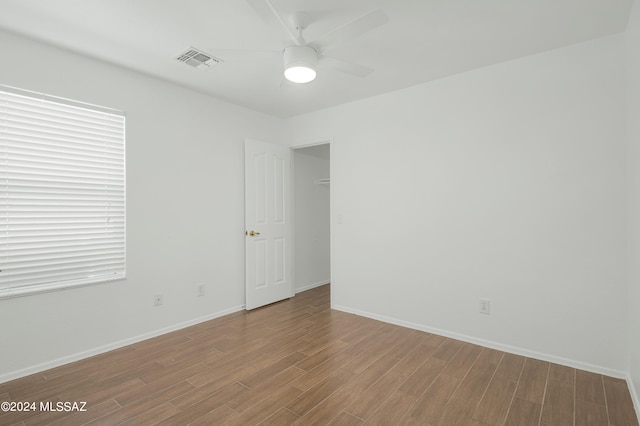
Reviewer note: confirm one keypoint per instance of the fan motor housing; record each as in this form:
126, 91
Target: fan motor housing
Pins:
304, 56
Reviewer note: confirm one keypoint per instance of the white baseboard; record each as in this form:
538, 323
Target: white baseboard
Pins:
111, 346
634, 395
310, 286
489, 344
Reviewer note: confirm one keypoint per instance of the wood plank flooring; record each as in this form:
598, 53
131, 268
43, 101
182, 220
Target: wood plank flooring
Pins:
299, 362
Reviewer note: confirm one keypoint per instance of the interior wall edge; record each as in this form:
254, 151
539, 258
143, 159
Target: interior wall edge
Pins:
34, 369
490, 344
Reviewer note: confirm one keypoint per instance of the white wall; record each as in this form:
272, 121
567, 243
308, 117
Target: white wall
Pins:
507, 183
312, 233
633, 82
185, 210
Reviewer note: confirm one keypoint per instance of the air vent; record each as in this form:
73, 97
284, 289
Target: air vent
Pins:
198, 59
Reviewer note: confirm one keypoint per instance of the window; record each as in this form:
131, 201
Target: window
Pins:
62, 193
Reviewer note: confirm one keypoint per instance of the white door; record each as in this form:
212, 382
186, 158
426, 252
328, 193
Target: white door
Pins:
268, 227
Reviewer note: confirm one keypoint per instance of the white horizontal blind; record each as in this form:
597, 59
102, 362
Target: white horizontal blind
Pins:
62, 194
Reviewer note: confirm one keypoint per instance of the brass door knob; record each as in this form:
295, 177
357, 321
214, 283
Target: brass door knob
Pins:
251, 233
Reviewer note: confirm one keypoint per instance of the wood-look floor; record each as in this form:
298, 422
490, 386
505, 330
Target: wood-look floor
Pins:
299, 362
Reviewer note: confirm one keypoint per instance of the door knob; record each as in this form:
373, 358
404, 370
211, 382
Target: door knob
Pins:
251, 233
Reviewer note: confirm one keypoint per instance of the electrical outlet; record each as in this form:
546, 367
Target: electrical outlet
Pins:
157, 300
200, 290
485, 306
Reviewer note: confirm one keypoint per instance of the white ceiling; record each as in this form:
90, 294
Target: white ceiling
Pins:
424, 40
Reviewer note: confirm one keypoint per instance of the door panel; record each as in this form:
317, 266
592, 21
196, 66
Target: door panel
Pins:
268, 254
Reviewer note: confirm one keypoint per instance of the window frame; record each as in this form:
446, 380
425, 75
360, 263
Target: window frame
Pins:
62, 193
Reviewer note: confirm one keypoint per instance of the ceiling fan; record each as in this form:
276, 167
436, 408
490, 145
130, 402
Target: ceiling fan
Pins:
301, 57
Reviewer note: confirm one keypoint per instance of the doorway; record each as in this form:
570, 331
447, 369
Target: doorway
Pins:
312, 224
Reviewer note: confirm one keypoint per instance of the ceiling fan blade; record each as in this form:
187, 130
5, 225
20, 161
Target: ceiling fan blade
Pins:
265, 10
353, 29
344, 66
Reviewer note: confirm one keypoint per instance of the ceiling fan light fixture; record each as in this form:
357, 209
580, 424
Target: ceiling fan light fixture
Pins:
300, 74
300, 64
